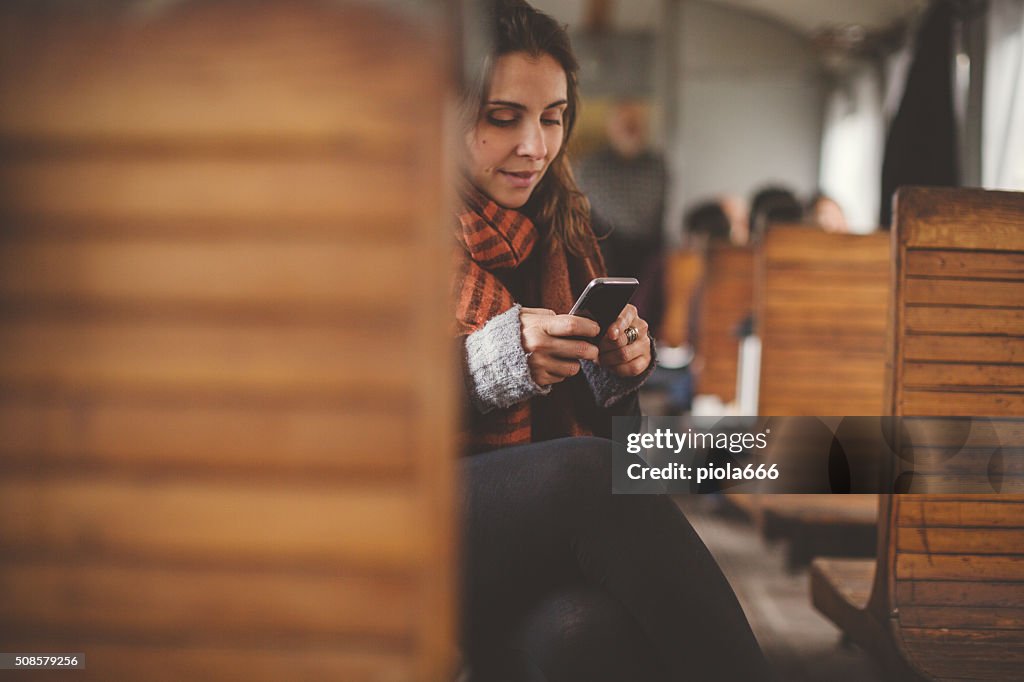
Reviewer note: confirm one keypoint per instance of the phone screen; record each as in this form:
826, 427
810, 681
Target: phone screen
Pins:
603, 300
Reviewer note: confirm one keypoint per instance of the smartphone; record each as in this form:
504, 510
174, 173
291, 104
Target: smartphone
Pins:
603, 300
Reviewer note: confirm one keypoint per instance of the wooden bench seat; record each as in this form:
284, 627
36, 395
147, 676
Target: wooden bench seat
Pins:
947, 597
726, 300
821, 305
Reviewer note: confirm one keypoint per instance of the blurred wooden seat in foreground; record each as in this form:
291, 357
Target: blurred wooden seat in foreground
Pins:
225, 388
947, 590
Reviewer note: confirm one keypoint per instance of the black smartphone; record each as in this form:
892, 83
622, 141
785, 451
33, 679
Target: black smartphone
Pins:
603, 300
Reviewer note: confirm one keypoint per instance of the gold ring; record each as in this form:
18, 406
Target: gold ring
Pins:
631, 335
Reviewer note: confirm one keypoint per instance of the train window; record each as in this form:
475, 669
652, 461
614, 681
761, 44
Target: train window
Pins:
1003, 121
851, 147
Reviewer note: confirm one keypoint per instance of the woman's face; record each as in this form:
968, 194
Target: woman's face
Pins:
519, 130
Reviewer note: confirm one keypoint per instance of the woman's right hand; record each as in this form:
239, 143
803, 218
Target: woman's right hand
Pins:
552, 357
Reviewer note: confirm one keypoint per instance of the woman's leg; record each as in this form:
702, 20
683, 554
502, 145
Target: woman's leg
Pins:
541, 518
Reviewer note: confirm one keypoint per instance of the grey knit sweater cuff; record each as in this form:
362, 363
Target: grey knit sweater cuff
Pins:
497, 374
608, 388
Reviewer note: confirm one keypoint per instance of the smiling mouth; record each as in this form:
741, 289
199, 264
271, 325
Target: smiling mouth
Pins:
520, 179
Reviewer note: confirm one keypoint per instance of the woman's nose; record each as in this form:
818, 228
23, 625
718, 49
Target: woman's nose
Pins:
532, 144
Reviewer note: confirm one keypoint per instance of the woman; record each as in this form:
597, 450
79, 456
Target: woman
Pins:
562, 580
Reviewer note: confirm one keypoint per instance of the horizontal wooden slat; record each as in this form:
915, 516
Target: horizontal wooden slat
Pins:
955, 593
125, 188
965, 264
119, 354
858, 389
802, 292
964, 292
232, 523
961, 431
122, 600
822, 350
945, 402
997, 512
996, 460
977, 663
959, 320
299, 69
959, 567
258, 661
837, 277
952, 617
961, 541
265, 273
805, 245
854, 311
919, 374
966, 484
259, 439
964, 349
932, 217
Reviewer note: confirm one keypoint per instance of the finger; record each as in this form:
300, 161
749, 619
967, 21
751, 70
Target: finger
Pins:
619, 355
625, 318
622, 340
572, 325
570, 349
537, 311
560, 369
634, 367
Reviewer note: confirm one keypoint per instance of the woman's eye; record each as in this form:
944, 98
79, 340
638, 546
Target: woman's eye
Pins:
551, 121
500, 122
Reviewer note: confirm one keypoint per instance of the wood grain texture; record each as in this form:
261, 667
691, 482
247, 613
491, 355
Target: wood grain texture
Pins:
949, 588
727, 299
821, 318
308, 440
116, 600
969, 219
227, 390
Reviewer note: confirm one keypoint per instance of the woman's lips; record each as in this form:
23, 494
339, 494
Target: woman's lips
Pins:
521, 180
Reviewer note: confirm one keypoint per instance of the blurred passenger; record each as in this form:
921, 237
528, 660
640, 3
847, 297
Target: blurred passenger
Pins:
825, 212
626, 183
561, 579
706, 225
664, 294
773, 204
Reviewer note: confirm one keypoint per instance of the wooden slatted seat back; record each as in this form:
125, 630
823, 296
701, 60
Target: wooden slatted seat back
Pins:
684, 271
727, 299
953, 582
821, 316
226, 397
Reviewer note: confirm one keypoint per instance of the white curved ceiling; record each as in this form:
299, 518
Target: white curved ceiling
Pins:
805, 16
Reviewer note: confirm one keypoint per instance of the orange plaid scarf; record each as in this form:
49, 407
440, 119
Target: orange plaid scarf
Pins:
495, 239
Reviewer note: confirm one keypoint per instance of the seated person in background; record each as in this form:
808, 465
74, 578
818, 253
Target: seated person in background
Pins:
561, 579
825, 212
773, 204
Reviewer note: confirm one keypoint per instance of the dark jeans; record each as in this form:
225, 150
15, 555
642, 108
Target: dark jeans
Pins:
564, 581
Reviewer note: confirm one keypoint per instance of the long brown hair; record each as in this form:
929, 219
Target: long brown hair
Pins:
557, 201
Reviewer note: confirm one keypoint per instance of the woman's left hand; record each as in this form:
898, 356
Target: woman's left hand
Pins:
620, 356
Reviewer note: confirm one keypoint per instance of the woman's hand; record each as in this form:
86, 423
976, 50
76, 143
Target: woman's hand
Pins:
617, 354
552, 357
